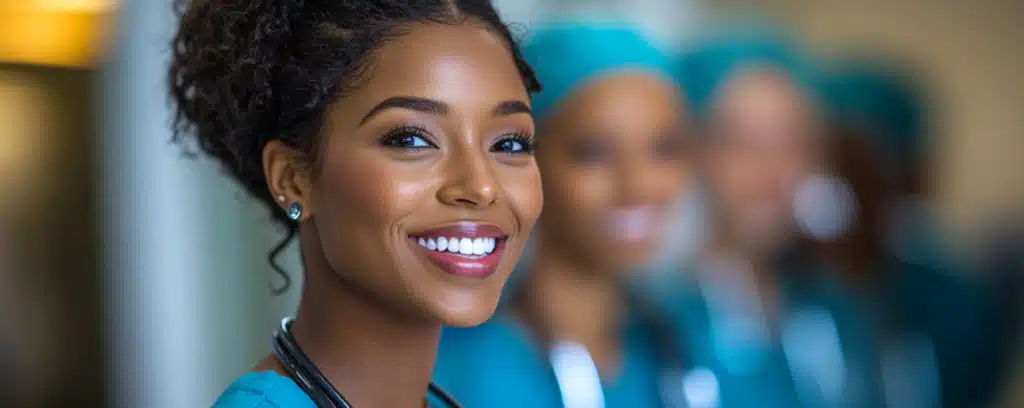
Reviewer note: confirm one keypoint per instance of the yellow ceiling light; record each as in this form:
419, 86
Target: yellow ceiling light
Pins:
101, 6
68, 33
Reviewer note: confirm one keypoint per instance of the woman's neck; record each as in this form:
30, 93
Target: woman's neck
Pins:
564, 301
746, 268
371, 353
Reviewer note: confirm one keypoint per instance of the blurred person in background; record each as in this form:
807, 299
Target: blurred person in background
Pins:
612, 156
396, 140
942, 338
772, 329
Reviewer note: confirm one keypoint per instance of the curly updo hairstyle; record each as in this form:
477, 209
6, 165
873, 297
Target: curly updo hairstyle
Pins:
245, 72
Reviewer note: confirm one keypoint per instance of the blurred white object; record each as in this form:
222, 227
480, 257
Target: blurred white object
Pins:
701, 389
824, 207
577, 376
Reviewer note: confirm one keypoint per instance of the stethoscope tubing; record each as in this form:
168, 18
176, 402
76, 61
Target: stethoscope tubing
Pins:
305, 373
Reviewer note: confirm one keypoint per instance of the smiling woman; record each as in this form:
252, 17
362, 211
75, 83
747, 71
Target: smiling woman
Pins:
395, 139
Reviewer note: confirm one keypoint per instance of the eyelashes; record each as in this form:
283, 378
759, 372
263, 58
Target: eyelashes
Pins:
515, 143
408, 138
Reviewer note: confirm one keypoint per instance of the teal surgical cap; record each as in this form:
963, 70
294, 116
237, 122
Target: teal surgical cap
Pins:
884, 101
713, 61
564, 56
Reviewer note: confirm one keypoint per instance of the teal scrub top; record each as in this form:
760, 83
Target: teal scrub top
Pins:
499, 365
961, 321
263, 390
760, 373
268, 389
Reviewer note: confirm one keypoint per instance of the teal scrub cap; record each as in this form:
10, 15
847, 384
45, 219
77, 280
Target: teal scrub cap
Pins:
566, 55
712, 62
884, 100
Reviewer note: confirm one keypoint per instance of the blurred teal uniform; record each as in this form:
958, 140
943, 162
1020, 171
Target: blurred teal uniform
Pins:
822, 353
499, 364
924, 289
824, 338
959, 319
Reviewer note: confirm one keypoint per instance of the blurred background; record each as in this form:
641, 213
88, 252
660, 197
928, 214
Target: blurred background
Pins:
131, 276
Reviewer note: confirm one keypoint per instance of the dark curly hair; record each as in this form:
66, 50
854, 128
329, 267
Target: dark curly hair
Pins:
245, 72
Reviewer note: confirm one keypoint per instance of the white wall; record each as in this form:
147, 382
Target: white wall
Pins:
668, 22
189, 307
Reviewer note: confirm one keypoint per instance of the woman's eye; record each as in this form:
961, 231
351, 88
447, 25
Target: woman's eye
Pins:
411, 141
517, 145
407, 139
509, 146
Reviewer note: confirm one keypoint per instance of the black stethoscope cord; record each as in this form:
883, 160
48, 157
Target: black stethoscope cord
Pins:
309, 378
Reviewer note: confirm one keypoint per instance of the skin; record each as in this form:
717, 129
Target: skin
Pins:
760, 145
372, 304
615, 143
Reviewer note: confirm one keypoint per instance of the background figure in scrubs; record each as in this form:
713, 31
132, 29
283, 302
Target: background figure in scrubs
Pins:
773, 329
612, 157
939, 331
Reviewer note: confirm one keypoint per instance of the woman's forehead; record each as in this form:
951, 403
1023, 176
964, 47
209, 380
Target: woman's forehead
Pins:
463, 65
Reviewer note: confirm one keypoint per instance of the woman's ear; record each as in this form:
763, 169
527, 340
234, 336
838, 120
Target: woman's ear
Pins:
287, 174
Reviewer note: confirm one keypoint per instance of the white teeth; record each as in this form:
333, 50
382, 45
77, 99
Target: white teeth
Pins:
634, 223
478, 246
459, 245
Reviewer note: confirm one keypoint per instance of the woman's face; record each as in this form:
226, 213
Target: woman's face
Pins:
612, 158
759, 147
428, 187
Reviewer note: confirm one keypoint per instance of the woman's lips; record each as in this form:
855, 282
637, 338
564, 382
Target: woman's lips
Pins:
463, 249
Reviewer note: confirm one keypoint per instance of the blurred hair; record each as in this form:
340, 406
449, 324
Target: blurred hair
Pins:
713, 61
882, 101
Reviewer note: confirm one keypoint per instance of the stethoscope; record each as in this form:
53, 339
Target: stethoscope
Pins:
579, 382
313, 382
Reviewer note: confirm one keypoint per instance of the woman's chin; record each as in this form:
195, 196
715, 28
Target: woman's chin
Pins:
467, 315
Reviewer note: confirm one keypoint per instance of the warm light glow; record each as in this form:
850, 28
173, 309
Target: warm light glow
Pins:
55, 32
86, 6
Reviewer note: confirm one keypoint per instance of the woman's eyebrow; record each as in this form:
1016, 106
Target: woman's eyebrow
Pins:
512, 107
439, 108
425, 105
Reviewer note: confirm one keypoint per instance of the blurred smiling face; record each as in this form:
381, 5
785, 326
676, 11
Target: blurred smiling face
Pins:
759, 146
612, 161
